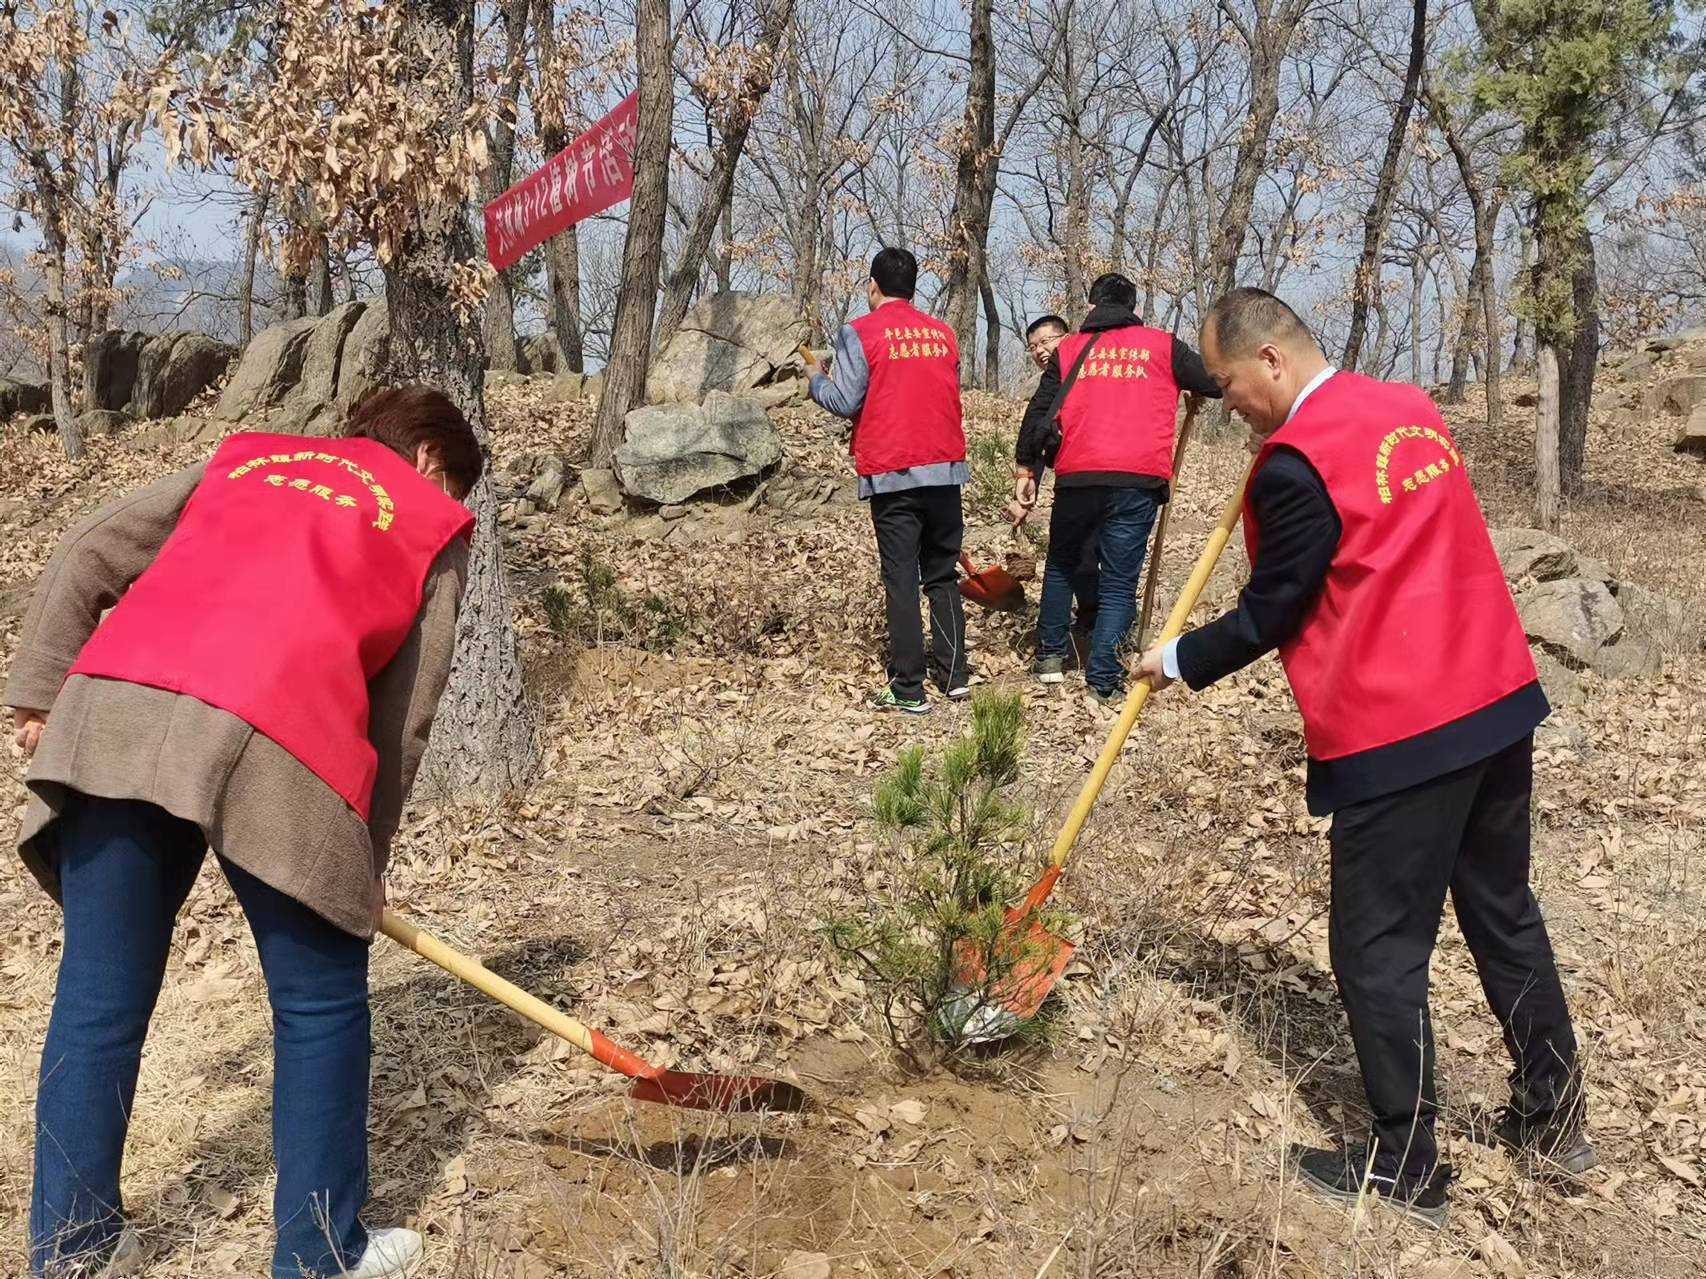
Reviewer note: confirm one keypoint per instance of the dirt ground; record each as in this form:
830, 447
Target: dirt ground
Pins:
704, 805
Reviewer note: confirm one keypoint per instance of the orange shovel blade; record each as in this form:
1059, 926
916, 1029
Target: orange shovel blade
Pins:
993, 588
727, 1093
1042, 958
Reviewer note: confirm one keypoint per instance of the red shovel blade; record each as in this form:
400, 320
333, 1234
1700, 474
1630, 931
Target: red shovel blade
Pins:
993, 588
732, 1094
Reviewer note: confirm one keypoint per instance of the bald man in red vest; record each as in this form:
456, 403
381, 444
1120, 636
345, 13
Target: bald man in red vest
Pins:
897, 376
1373, 574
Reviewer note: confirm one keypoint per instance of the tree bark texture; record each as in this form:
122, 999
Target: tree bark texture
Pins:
1575, 376
499, 323
974, 192
1269, 40
642, 249
484, 738
1379, 213
1546, 479
251, 254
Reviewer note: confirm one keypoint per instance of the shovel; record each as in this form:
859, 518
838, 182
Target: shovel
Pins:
1191, 407
994, 587
1039, 956
728, 1093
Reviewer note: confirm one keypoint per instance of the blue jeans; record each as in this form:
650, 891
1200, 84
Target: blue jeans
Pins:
125, 868
1116, 523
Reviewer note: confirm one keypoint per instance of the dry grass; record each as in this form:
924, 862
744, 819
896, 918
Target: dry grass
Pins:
702, 808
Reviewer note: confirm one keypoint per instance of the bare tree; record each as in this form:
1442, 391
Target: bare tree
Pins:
642, 252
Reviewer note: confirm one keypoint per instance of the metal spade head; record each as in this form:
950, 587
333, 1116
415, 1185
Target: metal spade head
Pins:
732, 1094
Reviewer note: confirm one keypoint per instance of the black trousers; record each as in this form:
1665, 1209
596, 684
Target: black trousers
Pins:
919, 532
1393, 859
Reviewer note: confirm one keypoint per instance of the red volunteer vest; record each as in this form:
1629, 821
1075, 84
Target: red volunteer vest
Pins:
911, 414
1119, 414
1414, 627
293, 576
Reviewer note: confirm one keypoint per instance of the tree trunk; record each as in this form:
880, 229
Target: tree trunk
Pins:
251, 252
484, 737
59, 348
1486, 221
991, 338
968, 223
1546, 485
1575, 386
323, 301
642, 249
1379, 213
1269, 41
562, 252
719, 186
499, 321
726, 258
563, 279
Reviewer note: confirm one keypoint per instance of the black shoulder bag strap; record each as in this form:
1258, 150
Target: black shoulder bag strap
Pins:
1051, 423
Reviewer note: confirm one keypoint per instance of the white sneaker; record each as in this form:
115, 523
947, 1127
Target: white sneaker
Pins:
390, 1252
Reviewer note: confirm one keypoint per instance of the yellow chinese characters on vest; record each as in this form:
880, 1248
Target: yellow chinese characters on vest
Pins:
1425, 474
301, 484
1117, 362
915, 342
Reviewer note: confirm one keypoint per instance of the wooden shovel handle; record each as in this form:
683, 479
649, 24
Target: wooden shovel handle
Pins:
1141, 689
513, 997
1192, 404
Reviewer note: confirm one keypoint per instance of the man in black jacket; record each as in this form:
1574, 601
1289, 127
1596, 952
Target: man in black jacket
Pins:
1113, 467
1373, 575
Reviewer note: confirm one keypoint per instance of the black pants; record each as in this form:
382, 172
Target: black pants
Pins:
918, 541
1393, 859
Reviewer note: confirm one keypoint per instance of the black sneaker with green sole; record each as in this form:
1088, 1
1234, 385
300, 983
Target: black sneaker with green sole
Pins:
887, 701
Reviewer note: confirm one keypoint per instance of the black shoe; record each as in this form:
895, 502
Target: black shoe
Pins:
1554, 1142
1341, 1174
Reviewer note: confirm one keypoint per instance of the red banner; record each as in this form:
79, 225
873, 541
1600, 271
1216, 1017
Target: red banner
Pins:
589, 175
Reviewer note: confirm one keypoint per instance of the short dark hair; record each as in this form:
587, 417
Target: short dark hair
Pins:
896, 273
1243, 319
403, 418
1043, 321
1113, 289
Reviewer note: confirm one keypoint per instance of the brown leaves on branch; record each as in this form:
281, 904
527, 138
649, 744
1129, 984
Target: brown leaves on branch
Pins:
356, 105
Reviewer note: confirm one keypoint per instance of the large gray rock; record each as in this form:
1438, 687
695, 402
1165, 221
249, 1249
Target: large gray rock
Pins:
1692, 437
1629, 658
1678, 396
267, 373
536, 354
1531, 553
1563, 687
22, 397
1671, 341
174, 369
365, 353
1573, 617
112, 361
313, 405
669, 452
730, 341
1651, 615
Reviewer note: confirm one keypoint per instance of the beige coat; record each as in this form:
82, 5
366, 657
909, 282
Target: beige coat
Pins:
254, 802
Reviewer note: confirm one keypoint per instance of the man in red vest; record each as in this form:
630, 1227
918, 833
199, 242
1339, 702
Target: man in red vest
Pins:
1373, 574
1113, 467
281, 625
896, 374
